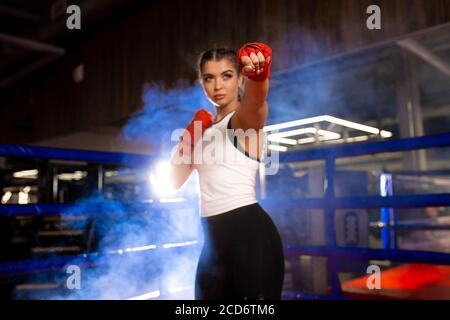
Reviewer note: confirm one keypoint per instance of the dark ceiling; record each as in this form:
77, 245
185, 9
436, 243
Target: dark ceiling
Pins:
34, 33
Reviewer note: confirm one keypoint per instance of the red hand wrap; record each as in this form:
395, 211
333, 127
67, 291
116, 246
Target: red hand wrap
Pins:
206, 120
256, 47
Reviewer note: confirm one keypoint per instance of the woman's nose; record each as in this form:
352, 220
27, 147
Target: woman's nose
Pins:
218, 84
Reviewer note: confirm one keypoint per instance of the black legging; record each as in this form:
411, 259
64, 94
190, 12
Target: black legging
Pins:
242, 257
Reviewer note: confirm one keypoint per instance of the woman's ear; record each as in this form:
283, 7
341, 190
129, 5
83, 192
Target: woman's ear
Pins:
240, 80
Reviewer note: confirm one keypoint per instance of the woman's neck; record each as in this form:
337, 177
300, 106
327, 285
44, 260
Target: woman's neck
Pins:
223, 111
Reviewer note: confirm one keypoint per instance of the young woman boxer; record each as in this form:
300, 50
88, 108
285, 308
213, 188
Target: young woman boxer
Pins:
242, 257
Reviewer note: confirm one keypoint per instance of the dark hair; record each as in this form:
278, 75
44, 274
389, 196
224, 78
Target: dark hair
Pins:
218, 54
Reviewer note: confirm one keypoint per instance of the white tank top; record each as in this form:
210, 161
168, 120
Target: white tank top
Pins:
227, 176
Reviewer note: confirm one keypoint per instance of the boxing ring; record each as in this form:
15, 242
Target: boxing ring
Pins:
97, 212
156, 251
388, 224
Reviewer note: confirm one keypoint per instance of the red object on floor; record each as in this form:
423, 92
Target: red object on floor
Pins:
409, 281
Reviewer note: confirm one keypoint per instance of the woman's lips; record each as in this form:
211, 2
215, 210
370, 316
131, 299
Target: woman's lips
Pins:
219, 96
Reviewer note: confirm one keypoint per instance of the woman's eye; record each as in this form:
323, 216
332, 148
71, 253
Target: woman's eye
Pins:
227, 76
207, 78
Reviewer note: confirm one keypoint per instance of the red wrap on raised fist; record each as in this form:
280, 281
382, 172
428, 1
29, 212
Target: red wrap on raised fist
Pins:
256, 47
205, 119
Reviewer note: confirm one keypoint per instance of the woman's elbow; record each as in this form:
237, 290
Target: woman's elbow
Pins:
177, 178
176, 185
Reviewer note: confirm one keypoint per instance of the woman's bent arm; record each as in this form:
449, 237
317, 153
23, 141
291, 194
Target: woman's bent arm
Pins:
179, 170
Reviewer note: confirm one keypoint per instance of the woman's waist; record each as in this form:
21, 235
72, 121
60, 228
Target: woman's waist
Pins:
252, 209
212, 204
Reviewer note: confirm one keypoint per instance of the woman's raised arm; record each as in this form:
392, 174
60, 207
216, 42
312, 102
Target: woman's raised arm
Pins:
255, 59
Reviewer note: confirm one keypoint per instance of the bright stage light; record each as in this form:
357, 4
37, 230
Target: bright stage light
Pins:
274, 138
160, 180
29, 174
281, 137
326, 118
274, 147
147, 296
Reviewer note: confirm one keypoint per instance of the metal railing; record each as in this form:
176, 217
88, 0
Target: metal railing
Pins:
330, 203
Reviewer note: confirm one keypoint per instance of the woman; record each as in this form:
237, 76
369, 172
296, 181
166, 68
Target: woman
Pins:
242, 257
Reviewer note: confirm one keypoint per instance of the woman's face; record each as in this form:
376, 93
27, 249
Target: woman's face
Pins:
220, 82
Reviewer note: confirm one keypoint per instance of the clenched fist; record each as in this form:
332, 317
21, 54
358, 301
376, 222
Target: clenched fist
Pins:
255, 59
202, 120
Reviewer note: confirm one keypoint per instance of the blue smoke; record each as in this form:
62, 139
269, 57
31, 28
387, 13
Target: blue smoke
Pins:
165, 110
314, 83
138, 248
